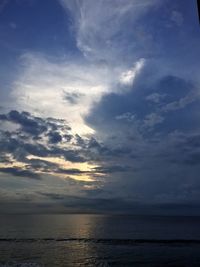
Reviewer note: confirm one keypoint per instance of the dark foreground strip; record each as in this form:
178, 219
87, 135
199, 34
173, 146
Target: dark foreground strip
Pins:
105, 240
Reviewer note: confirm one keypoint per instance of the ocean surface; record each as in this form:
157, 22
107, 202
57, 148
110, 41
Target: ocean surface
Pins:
99, 240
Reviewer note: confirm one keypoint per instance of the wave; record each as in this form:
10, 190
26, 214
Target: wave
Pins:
111, 241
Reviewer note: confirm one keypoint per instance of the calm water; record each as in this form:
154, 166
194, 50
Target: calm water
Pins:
97, 240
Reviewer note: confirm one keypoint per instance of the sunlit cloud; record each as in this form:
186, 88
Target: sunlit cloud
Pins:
128, 77
77, 171
45, 87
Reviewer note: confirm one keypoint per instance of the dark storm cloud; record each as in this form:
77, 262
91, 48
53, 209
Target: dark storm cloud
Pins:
96, 170
70, 155
153, 129
80, 141
20, 172
68, 137
9, 144
144, 109
43, 165
71, 171
193, 159
36, 126
99, 150
18, 148
92, 204
21, 149
186, 150
161, 105
111, 169
54, 137
98, 204
39, 137
53, 196
28, 123
190, 142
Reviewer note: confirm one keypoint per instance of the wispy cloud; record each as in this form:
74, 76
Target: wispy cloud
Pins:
100, 26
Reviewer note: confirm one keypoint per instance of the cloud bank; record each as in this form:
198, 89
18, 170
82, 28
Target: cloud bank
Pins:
102, 109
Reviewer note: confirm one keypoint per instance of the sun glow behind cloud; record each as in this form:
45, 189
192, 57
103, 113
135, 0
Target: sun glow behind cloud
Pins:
128, 77
77, 171
48, 88
86, 169
69, 88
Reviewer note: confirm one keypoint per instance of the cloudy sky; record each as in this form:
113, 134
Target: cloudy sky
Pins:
99, 106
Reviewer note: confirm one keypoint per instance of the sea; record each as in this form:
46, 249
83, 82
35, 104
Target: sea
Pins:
99, 240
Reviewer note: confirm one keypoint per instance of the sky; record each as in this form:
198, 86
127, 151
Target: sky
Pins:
99, 106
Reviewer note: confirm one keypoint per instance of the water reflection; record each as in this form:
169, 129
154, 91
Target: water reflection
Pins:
73, 240
82, 226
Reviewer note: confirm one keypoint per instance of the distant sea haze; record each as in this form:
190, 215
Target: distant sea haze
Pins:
99, 240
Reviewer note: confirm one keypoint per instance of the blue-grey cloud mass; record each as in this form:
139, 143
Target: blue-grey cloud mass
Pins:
99, 106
